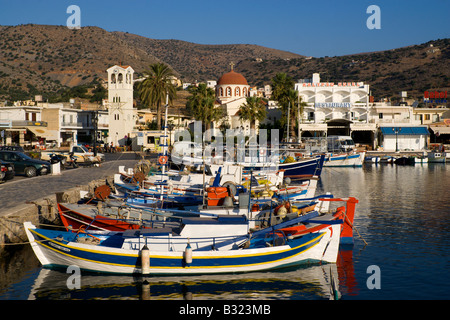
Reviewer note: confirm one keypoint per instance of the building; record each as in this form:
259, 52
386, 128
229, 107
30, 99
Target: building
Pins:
232, 90
334, 108
22, 124
122, 115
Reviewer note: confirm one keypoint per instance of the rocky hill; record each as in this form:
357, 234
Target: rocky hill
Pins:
199, 61
42, 59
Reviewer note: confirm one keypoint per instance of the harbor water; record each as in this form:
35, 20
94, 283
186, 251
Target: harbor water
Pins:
401, 251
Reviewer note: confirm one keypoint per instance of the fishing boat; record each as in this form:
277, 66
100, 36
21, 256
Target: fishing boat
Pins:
352, 159
262, 250
421, 159
372, 159
403, 161
436, 157
345, 213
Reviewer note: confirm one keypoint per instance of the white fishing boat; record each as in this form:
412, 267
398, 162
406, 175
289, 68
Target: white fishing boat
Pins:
133, 253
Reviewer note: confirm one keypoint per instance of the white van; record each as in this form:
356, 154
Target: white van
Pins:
340, 143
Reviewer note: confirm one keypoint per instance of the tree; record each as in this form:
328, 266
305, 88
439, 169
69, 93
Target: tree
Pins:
154, 88
98, 94
200, 105
283, 92
253, 109
281, 84
295, 107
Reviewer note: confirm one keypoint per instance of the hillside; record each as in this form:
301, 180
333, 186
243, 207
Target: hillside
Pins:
414, 69
42, 59
199, 61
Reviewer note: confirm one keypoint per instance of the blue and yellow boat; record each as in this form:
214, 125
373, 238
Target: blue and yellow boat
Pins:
266, 249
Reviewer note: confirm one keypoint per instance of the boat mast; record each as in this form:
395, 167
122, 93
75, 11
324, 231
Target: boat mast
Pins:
164, 144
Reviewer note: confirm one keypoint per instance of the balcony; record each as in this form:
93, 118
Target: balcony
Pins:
77, 125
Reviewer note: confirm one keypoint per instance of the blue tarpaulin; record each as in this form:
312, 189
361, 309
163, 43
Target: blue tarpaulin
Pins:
412, 131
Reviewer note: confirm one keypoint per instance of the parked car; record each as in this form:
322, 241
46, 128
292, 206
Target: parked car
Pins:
6, 171
23, 164
12, 148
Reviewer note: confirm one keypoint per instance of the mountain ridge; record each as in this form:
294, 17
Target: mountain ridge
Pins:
42, 59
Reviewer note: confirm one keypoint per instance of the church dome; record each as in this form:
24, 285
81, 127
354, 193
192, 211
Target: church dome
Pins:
232, 78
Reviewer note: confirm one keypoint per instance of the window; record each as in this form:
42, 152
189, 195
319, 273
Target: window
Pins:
244, 92
228, 92
120, 78
427, 117
221, 92
380, 116
113, 78
237, 92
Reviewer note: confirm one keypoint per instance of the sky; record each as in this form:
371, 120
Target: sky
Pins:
310, 28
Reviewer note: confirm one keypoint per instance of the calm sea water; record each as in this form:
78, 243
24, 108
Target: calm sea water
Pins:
403, 214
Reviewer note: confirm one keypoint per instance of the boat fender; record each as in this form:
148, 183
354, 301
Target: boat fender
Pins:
282, 212
188, 254
145, 260
227, 202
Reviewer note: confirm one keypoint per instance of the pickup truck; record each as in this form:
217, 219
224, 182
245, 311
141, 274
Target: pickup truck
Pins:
80, 152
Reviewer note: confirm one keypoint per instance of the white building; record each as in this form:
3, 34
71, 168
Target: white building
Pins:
232, 91
122, 116
334, 108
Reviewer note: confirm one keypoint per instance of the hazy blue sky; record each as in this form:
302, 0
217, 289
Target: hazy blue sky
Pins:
315, 28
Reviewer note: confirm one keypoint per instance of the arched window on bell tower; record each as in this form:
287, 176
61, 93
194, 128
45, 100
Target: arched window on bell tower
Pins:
120, 78
113, 78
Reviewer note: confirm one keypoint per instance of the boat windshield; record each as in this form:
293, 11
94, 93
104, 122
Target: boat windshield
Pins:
348, 142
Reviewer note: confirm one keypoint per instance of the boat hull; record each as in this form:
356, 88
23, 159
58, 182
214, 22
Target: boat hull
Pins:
304, 168
313, 247
345, 160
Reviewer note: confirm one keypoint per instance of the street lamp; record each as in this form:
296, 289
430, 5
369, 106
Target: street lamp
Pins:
396, 130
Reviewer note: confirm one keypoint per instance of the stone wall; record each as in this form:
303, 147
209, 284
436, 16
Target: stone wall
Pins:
41, 212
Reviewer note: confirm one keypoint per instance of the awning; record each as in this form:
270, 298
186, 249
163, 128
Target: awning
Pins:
440, 129
405, 131
44, 132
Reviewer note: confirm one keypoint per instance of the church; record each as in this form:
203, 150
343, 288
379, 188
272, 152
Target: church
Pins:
232, 90
121, 114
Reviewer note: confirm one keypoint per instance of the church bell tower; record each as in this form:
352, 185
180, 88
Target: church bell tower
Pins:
120, 104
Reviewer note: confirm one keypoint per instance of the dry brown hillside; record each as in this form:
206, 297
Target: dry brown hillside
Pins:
42, 59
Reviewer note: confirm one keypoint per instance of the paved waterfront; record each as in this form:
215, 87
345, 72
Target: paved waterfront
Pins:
20, 190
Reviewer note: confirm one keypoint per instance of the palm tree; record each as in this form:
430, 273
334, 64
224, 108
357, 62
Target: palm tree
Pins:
281, 84
287, 97
295, 106
154, 88
200, 105
253, 109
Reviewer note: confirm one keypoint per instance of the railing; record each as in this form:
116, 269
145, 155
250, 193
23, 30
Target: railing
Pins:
72, 124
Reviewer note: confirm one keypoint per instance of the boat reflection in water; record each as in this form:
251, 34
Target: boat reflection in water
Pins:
309, 282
